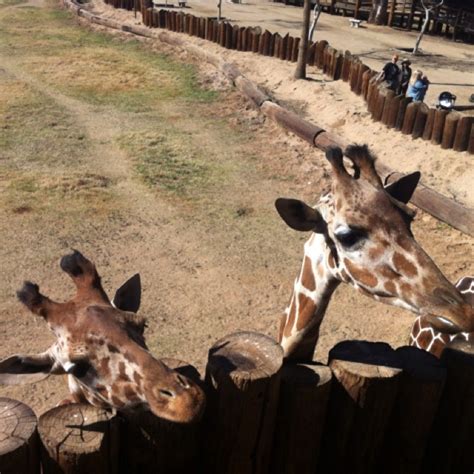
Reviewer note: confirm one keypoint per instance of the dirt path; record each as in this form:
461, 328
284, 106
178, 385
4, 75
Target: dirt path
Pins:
80, 170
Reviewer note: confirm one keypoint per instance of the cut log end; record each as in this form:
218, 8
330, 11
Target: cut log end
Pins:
17, 425
305, 375
78, 436
251, 354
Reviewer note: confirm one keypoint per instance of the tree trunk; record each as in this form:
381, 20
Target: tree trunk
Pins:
300, 72
378, 13
422, 32
316, 13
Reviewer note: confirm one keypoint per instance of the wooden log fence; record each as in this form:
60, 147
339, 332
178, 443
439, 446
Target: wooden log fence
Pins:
427, 199
335, 64
372, 409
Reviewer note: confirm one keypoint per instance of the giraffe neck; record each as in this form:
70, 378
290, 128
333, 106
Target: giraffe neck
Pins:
313, 289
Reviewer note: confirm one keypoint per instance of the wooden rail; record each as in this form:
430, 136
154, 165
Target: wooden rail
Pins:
372, 409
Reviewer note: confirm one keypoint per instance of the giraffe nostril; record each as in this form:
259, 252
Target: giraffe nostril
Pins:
166, 393
182, 381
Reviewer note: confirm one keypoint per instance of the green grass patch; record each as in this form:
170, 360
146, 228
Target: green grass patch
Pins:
35, 132
9, 3
165, 163
85, 193
95, 67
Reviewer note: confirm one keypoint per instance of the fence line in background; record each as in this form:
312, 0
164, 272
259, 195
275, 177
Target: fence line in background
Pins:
451, 130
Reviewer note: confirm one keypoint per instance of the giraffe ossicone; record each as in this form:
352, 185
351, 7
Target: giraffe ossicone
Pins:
361, 236
101, 347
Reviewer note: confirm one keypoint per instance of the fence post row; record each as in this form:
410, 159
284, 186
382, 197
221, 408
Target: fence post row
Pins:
448, 130
373, 409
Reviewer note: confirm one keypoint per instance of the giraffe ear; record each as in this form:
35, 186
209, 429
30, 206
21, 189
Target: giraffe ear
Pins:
300, 216
20, 369
402, 190
128, 296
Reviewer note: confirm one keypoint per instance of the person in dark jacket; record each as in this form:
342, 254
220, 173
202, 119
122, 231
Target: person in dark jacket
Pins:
390, 74
405, 76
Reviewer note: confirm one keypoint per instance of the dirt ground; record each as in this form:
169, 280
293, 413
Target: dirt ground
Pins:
146, 164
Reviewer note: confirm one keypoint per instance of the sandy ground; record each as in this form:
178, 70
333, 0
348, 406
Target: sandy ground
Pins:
332, 105
228, 262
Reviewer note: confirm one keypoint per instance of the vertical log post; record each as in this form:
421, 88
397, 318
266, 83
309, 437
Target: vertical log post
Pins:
365, 83
243, 376
228, 35
294, 51
372, 94
304, 393
362, 69
328, 59
420, 121
410, 116
364, 388
428, 130
150, 444
470, 145
438, 126
393, 111
450, 446
289, 48
346, 66
266, 43
421, 386
389, 96
354, 73
79, 439
461, 140
19, 448
337, 66
220, 34
311, 49
449, 131
401, 112
283, 46
380, 95
319, 53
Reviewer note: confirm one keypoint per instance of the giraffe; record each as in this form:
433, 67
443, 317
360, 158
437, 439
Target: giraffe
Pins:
425, 336
103, 351
361, 236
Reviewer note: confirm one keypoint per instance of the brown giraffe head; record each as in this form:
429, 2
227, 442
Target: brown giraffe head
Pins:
365, 228
103, 350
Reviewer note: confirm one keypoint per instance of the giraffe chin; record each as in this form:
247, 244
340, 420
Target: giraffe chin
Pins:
443, 324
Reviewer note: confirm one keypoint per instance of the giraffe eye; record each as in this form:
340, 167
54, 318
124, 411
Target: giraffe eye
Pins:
350, 237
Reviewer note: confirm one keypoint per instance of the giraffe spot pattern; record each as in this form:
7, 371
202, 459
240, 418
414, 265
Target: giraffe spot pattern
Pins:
291, 319
306, 311
360, 275
307, 277
404, 266
390, 287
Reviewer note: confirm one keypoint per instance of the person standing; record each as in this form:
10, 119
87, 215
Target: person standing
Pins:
418, 87
390, 74
405, 76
